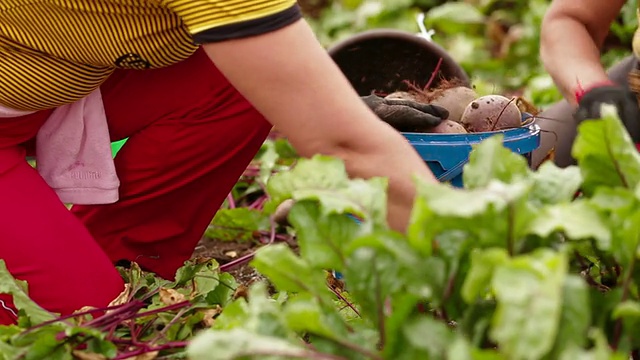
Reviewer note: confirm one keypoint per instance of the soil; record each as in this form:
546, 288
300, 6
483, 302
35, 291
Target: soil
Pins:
226, 251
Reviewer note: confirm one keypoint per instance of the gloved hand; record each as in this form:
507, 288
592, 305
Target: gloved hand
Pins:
625, 101
406, 115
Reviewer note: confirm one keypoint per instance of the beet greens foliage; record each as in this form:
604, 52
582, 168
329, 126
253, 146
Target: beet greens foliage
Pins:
514, 266
518, 265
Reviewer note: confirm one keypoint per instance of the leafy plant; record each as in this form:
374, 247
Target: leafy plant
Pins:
513, 266
241, 218
519, 264
151, 318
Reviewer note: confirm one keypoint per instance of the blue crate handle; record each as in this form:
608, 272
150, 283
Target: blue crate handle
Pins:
453, 172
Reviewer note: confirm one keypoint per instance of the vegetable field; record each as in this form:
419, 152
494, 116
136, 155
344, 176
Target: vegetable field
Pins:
517, 265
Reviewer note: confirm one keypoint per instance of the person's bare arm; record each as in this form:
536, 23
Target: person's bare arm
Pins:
293, 82
572, 34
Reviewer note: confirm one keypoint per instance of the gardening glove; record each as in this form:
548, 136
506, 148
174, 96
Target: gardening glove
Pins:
406, 115
622, 98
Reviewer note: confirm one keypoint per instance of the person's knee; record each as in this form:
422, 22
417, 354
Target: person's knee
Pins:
98, 287
70, 290
558, 133
67, 274
67, 293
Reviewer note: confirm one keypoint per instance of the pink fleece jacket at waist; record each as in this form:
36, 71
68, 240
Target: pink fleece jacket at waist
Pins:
73, 152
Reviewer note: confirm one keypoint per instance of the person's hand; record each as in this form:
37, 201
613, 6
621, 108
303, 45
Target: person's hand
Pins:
406, 115
622, 98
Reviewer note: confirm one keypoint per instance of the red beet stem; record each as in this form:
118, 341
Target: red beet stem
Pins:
412, 86
433, 75
149, 349
500, 114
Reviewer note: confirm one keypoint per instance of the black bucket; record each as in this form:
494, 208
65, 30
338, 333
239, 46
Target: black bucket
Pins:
381, 60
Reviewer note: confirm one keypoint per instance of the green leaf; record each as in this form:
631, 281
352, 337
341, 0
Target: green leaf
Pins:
626, 250
529, 293
404, 307
437, 339
192, 270
261, 315
620, 208
453, 16
8, 352
235, 315
322, 238
575, 320
268, 157
434, 277
325, 179
102, 347
476, 321
490, 215
360, 337
223, 293
553, 185
445, 200
613, 199
238, 224
285, 150
372, 275
628, 313
483, 265
207, 279
605, 153
627, 309
578, 220
242, 344
46, 346
305, 314
487, 355
453, 249
601, 350
491, 160
21, 300
287, 271
418, 276
460, 349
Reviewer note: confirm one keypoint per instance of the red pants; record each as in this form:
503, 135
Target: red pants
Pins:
191, 135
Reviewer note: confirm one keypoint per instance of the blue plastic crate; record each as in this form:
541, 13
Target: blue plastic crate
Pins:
446, 154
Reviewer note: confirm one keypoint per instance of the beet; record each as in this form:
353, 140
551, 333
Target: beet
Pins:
449, 127
452, 95
491, 113
455, 100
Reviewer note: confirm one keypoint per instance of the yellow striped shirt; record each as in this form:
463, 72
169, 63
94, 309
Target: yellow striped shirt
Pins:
54, 52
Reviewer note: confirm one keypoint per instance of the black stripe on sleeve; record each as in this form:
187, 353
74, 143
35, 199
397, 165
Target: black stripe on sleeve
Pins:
250, 27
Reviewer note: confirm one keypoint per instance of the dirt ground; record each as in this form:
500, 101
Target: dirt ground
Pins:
226, 251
